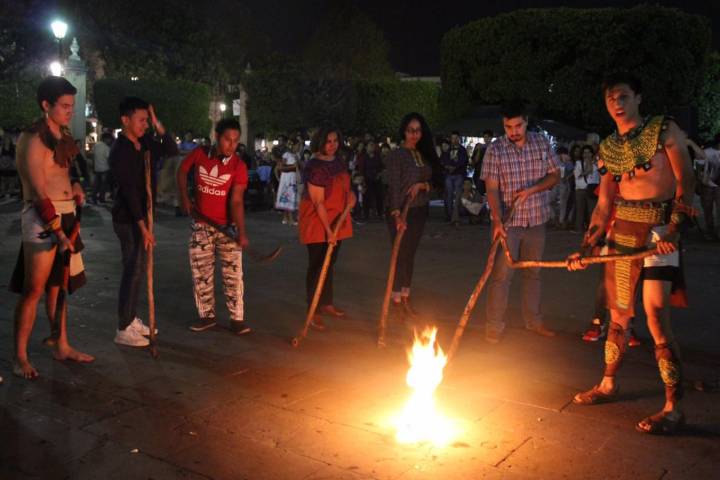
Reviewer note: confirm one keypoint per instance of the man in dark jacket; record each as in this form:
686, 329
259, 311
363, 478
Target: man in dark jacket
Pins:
129, 213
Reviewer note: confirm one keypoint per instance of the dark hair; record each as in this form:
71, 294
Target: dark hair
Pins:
561, 150
53, 88
444, 140
425, 146
226, 124
320, 138
282, 137
619, 78
489, 132
586, 147
129, 104
575, 151
514, 108
455, 132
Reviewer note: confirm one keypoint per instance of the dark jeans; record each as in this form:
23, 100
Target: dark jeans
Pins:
710, 202
453, 191
316, 257
133, 271
101, 186
408, 247
584, 205
373, 196
525, 243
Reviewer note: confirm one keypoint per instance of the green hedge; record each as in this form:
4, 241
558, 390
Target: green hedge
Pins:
19, 105
287, 98
382, 104
709, 100
180, 104
556, 59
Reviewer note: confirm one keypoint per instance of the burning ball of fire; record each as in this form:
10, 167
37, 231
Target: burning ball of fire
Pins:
420, 420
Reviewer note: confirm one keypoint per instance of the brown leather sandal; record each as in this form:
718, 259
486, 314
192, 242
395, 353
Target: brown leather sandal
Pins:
594, 396
663, 423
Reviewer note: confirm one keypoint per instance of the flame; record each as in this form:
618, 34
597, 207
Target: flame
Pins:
420, 420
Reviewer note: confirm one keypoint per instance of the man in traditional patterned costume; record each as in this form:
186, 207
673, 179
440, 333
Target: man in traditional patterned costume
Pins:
44, 156
647, 176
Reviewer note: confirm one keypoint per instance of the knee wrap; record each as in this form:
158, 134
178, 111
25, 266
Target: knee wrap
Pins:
614, 349
670, 371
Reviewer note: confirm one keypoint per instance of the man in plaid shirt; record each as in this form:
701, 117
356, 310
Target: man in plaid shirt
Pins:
520, 167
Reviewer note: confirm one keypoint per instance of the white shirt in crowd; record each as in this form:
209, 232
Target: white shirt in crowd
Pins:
710, 167
101, 152
582, 181
290, 158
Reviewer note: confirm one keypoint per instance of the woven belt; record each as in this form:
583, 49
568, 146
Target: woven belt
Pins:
654, 213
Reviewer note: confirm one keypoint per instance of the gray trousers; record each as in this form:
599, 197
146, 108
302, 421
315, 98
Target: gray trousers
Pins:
525, 243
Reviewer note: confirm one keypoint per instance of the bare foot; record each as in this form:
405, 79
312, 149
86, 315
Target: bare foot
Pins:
50, 341
23, 369
69, 353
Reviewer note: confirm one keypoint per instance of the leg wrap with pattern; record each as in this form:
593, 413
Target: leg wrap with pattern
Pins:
670, 371
614, 349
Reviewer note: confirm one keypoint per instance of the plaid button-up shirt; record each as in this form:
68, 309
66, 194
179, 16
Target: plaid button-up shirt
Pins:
516, 169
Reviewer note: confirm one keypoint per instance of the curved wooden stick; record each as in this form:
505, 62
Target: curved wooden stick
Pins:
382, 325
321, 279
589, 260
460, 329
150, 263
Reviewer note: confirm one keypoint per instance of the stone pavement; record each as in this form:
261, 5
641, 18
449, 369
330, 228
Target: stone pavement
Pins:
219, 406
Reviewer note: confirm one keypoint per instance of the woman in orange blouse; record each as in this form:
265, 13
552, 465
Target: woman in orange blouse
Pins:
327, 192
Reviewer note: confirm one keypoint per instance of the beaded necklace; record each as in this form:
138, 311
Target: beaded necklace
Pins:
623, 154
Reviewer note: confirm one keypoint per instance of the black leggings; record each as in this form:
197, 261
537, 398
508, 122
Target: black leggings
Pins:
316, 257
408, 247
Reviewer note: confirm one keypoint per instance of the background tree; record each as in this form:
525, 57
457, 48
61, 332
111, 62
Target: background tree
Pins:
709, 100
182, 105
347, 44
556, 58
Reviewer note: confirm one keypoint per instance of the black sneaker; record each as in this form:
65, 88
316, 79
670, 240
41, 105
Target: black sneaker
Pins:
239, 328
203, 324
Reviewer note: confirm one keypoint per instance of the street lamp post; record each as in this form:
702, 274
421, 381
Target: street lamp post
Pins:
59, 29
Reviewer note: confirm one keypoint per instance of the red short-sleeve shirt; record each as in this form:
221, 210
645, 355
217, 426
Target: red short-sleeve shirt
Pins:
214, 179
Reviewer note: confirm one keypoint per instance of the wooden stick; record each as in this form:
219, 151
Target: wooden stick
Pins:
382, 325
229, 233
150, 261
460, 329
321, 279
589, 260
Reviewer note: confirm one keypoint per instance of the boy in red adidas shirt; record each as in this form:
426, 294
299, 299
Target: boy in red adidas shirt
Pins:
221, 179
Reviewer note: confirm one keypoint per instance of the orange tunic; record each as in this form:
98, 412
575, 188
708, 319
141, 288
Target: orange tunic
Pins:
334, 178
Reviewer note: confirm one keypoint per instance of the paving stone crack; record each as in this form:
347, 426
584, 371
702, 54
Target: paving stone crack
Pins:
512, 451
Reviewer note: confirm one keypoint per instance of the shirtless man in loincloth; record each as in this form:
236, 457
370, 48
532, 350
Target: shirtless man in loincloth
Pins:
44, 155
647, 176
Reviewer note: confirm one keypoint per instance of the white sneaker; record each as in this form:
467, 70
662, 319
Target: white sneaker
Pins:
131, 337
137, 324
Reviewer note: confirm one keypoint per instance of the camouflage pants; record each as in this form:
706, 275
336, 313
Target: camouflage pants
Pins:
206, 245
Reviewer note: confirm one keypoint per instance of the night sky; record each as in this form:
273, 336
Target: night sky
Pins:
414, 28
